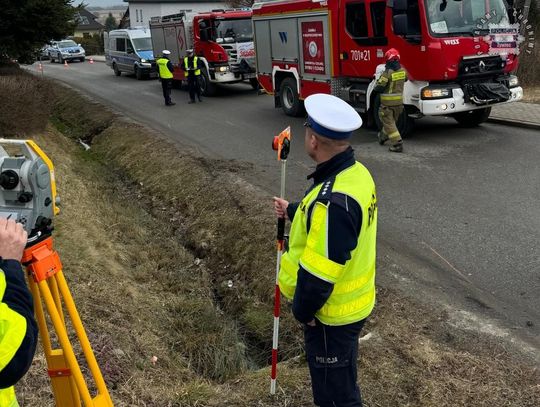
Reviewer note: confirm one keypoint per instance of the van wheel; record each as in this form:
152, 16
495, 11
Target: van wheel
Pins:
207, 87
138, 73
289, 98
405, 124
116, 70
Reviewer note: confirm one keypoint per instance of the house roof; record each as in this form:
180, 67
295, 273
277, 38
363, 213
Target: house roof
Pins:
173, 1
87, 21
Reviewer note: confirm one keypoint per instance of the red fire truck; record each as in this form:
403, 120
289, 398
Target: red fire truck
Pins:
222, 39
459, 54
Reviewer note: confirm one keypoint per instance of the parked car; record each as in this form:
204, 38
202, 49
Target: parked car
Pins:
66, 50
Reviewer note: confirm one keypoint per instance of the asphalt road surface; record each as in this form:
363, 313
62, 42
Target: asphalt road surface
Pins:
459, 210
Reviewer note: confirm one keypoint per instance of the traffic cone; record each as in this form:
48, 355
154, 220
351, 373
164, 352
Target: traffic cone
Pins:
91, 60
65, 64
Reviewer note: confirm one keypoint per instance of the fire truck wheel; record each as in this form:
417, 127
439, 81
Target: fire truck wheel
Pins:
138, 73
254, 83
472, 118
207, 87
405, 124
290, 101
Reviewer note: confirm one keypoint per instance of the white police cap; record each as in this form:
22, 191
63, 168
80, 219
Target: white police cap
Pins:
166, 52
331, 117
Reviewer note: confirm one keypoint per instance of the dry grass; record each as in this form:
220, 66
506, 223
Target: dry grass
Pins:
24, 108
149, 236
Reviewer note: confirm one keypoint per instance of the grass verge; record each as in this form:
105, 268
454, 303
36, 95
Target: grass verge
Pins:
150, 236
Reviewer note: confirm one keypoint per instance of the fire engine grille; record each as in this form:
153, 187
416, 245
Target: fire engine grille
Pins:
474, 67
231, 52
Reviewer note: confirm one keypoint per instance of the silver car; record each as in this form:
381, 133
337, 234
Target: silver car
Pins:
66, 50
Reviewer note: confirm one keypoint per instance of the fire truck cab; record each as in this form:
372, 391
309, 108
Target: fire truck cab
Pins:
222, 40
459, 55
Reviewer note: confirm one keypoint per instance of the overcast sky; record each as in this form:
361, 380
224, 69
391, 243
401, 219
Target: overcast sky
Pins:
102, 3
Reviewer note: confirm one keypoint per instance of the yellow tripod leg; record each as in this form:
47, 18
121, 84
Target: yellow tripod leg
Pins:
64, 388
103, 398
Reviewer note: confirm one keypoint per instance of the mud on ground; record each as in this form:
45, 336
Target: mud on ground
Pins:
152, 236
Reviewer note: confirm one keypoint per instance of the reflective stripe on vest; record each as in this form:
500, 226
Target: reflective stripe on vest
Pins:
353, 296
186, 65
393, 95
164, 72
12, 332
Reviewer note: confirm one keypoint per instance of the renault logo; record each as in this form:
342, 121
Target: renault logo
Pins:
482, 66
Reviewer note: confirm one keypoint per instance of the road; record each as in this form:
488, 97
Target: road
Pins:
459, 211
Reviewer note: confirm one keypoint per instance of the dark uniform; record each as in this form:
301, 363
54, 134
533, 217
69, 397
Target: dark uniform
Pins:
390, 84
18, 329
192, 73
165, 70
329, 270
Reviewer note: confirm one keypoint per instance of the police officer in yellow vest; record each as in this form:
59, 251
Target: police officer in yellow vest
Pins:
328, 270
18, 329
165, 70
192, 71
390, 84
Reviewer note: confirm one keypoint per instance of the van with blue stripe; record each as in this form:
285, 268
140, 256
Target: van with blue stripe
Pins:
130, 51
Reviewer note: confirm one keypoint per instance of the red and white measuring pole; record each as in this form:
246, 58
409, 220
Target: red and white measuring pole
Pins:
281, 144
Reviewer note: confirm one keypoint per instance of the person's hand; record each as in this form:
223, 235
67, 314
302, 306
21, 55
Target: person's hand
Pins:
312, 323
280, 207
13, 239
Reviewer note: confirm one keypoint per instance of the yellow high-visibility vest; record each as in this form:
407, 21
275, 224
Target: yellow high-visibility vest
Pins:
164, 72
12, 332
353, 296
394, 82
195, 66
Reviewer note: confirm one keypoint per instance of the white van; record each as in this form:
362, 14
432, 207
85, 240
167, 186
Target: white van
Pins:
130, 50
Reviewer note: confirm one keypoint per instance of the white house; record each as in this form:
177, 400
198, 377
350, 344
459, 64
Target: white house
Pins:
141, 11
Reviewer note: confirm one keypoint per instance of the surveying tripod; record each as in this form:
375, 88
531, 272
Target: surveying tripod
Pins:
28, 196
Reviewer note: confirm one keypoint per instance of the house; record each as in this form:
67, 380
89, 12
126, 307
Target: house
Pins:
87, 24
141, 11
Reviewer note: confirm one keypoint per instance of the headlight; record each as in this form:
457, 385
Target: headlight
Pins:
222, 68
513, 81
431, 93
143, 60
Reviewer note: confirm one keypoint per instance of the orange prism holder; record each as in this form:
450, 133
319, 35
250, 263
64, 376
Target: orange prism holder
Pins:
278, 141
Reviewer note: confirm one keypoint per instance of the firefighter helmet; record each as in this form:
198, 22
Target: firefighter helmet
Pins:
392, 54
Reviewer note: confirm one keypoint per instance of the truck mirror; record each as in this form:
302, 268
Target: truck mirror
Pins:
400, 6
401, 27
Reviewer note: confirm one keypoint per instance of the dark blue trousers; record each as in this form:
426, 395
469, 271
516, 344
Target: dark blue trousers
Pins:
332, 352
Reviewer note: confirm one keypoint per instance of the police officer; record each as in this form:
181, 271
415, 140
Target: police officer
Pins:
18, 329
192, 71
390, 84
328, 270
165, 70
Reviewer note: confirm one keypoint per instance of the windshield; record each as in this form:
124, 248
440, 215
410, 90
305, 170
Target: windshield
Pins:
237, 30
67, 44
447, 17
142, 44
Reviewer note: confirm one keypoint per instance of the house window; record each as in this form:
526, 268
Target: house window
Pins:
356, 20
137, 14
141, 18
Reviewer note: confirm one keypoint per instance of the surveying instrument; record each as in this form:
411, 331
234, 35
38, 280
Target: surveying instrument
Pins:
28, 196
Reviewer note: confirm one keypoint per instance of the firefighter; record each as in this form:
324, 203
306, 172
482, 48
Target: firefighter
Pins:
165, 70
18, 328
390, 84
192, 72
328, 270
